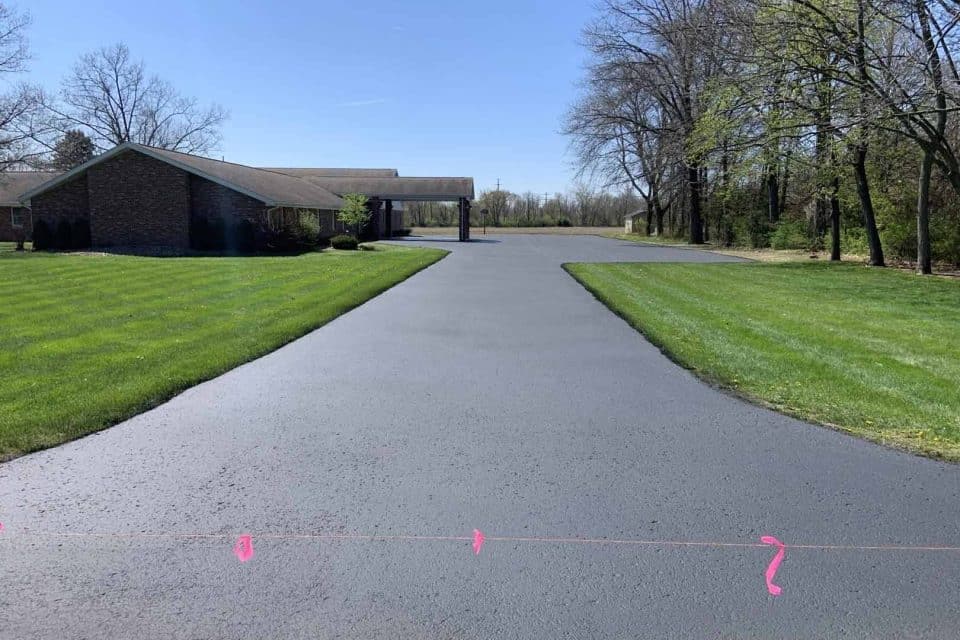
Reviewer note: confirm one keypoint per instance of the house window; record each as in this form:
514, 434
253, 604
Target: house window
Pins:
16, 217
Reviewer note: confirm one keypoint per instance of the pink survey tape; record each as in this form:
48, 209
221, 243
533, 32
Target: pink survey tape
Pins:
477, 541
244, 548
774, 564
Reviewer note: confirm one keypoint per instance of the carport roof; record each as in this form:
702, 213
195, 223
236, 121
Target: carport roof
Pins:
402, 188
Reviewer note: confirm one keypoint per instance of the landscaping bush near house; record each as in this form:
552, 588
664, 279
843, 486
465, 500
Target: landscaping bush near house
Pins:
309, 229
344, 242
42, 237
790, 234
80, 238
217, 233
63, 238
245, 237
199, 233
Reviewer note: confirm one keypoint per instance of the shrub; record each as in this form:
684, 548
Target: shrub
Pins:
758, 230
564, 222
63, 238
217, 235
309, 229
42, 238
245, 236
81, 234
343, 242
402, 233
790, 234
198, 232
853, 240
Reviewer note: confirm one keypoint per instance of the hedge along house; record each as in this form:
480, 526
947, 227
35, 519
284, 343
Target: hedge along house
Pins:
139, 196
15, 220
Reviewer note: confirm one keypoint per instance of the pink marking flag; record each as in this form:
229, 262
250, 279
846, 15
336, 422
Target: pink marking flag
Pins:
477, 541
1, 526
774, 564
244, 548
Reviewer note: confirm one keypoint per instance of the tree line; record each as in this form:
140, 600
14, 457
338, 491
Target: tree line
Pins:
583, 207
821, 123
107, 98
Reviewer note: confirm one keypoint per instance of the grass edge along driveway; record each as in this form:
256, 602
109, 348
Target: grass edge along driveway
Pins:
87, 341
872, 352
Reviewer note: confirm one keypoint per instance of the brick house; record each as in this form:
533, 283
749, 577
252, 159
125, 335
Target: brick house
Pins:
14, 214
139, 196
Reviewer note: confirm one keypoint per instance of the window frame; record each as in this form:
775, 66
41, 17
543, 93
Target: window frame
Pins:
13, 219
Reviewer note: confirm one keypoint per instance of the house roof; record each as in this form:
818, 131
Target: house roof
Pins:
303, 172
270, 187
398, 188
13, 183
288, 187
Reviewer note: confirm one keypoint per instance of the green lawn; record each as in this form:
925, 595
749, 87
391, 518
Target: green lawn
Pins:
870, 351
88, 340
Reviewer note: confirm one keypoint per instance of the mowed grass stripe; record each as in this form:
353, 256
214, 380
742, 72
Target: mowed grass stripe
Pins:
876, 352
97, 339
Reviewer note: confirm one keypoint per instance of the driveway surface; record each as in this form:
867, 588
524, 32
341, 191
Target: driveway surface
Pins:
490, 391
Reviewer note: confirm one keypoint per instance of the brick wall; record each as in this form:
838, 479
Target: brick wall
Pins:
67, 200
136, 200
211, 200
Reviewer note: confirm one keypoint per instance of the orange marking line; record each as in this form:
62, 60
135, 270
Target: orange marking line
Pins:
555, 540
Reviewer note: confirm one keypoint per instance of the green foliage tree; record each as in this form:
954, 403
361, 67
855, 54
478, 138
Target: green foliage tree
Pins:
354, 213
72, 150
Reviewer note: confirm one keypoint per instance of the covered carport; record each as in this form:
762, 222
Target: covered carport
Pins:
382, 192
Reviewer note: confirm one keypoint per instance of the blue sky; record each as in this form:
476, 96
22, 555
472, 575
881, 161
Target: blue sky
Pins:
428, 87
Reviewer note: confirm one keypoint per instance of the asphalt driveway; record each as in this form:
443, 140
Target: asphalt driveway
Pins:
490, 391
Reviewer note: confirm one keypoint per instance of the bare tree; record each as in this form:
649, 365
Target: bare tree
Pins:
19, 104
110, 96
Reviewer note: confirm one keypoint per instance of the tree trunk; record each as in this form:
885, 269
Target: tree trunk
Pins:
658, 214
866, 206
835, 219
773, 194
924, 264
783, 185
649, 218
696, 217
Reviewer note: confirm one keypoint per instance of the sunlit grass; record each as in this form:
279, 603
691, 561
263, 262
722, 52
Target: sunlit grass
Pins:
871, 351
88, 340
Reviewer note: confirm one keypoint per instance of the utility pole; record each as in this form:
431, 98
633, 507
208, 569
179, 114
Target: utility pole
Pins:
498, 184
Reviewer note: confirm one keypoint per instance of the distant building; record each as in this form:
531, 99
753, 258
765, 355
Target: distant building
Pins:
633, 221
14, 214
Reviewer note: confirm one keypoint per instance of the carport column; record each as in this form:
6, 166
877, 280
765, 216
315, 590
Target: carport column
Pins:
388, 219
464, 219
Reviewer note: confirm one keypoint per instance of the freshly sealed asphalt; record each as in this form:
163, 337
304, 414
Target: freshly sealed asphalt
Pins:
492, 392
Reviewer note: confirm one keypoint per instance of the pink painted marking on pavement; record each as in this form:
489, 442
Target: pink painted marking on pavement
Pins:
477, 541
244, 548
774, 564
